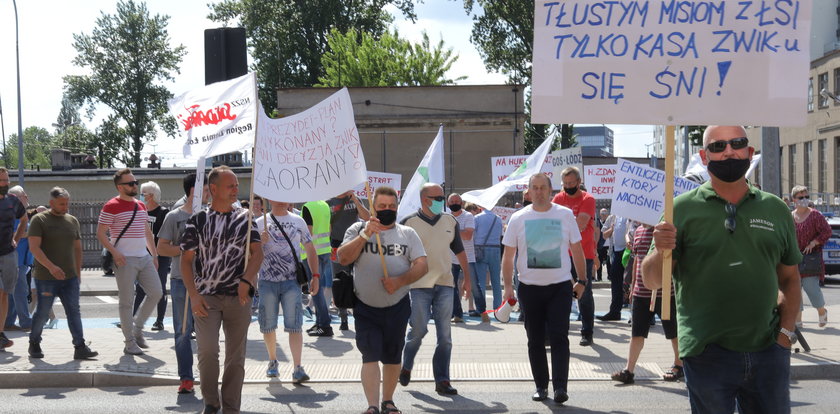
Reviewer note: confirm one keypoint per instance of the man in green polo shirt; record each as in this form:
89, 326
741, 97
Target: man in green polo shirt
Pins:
737, 283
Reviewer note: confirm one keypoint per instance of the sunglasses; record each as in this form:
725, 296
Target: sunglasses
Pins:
437, 198
801, 197
735, 143
130, 183
729, 223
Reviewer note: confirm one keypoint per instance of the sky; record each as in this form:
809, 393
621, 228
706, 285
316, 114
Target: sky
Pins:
46, 55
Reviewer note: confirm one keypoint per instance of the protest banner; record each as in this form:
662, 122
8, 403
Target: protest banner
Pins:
639, 192
218, 118
671, 62
565, 158
379, 179
504, 213
313, 155
599, 180
501, 167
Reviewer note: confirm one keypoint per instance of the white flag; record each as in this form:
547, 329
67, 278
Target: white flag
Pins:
218, 118
429, 171
488, 197
313, 155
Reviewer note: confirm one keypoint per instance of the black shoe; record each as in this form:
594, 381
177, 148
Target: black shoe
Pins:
474, 313
343, 326
35, 350
405, 377
540, 394
624, 377
586, 340
5, 342
560, 396
312, 328
83, 352
210, 409
157, 326
319, 331
609, 317
444, 388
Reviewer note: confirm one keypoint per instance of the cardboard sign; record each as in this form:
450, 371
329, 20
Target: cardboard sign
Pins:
313, 155
669, 62
639, 192
599, 180
562, 159
379, 179
501, 167
504, 213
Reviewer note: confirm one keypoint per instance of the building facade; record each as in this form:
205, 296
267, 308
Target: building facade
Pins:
594, 141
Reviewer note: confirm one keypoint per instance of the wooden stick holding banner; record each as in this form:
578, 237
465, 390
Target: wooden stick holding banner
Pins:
253, 155
669, 218
378, 241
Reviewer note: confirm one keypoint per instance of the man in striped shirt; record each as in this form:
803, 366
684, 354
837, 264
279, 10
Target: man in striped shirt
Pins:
135, 257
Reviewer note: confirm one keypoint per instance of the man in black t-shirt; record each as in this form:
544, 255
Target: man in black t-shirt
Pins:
10, 209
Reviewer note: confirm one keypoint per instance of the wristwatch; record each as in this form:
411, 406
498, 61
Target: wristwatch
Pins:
581, 281
791, 335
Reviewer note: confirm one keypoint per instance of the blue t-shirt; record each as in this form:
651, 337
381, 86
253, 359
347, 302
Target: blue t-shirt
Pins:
484, 223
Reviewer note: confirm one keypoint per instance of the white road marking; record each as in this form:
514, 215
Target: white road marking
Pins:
107, 299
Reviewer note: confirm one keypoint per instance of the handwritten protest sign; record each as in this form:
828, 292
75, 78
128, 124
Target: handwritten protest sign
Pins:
599, 180
504, 213
501, 167
217, 118
671, 62
639, 192
313, 155
564, 158
379, 179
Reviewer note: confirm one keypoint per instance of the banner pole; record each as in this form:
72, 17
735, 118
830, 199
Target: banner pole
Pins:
669, 218
378, 241
253, 163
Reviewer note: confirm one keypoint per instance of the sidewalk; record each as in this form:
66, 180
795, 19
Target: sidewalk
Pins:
481, 352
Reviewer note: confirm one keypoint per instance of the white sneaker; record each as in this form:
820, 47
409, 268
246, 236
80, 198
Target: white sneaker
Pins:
131, 348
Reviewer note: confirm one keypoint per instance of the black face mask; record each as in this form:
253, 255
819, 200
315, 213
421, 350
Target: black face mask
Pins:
4, 189
455, 207
729, 170
526, 203
570, 191
386, 217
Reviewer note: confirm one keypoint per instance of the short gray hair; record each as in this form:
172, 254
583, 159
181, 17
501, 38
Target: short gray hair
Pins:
154, 188
796, 190
59, 192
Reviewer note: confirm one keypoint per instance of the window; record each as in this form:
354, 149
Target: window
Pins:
836, 164
836, 83
822, 165
810, 94
806, 166
822, 83
792, 164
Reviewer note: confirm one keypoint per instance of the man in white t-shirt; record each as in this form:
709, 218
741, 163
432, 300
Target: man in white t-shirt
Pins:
544, 233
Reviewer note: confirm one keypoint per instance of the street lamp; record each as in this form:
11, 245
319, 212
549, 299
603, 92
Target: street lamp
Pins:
828, 95
20, 122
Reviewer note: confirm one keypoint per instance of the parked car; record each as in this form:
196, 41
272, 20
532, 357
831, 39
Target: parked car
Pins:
831, 250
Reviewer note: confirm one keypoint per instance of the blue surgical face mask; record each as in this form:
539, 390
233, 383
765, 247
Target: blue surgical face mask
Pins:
436, 207
142, 198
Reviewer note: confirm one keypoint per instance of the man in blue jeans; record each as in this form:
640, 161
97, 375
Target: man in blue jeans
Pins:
488, 235
57, 271
736, 280
432, 295
169, 245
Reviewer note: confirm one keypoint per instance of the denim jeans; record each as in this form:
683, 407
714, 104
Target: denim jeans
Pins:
492, 262
164, 265
322, 313
183, 343
456, 298
273, 295
586, 303
616, 276
757, 382
68, 291
18, 306
811, 286
429, 303
548, 313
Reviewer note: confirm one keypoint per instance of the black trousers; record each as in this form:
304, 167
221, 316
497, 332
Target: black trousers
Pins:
548, 312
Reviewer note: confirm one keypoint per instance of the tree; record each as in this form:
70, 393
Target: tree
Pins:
504, 37
288, 37
358, 59
129, 57
37, 143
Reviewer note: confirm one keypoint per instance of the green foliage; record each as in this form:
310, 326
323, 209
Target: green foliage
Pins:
37, 143
287, 38
695, 135
356, 59
128, 55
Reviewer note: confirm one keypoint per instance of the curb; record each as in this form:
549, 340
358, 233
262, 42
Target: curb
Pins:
99, 293
98, 379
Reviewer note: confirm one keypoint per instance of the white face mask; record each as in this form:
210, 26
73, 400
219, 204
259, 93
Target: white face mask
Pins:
803, 202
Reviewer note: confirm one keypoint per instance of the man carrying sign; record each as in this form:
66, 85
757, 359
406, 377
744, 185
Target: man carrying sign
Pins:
737, 289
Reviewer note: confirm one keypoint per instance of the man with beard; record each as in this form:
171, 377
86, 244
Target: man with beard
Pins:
135, 257
736, 280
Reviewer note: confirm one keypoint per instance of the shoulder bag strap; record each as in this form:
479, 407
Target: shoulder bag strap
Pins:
294, 251
486, 237
133, 215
